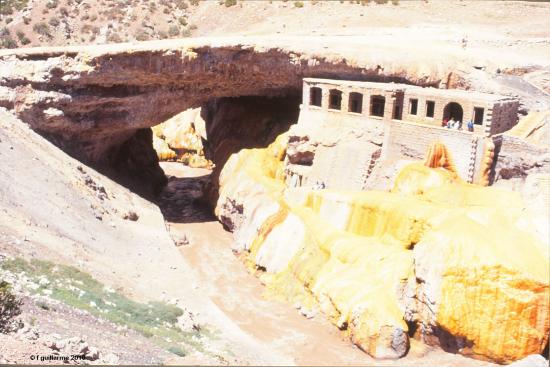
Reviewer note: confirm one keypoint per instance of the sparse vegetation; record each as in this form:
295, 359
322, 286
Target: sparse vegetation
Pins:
177, 350
298, 4
52, 4
8, 7
142, 35
229, 3
182, 21
6, 41
54, 22
10, 307
173, 31
23, 38
194, 2
186, 32
181, 4
114, 38
155, 320
42, 29
9, 20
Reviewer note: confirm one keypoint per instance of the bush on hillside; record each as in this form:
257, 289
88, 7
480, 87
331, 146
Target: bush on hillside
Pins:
173, 31
22, 38
229, 3
10, 307
142, 35
52, 4
8, 7
54, 22
42, 29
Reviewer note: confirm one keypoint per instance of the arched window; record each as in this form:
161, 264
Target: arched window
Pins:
335, 99
355, 102
377, 104
315, 96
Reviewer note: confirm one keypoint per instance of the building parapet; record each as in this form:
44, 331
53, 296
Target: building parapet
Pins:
489, 114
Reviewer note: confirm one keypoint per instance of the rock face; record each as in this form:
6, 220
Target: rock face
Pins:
91, 100
180, 138
454, 264
247, 122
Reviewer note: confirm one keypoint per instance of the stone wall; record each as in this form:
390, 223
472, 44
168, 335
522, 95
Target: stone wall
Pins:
411, 141
517, 159
440, 102
503, 117
499, 113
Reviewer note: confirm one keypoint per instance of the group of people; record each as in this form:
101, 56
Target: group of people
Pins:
456, 124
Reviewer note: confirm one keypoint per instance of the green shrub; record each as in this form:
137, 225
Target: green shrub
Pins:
52, 4
298, 4
54, 22
229, 3
8, 7
22, 38
10, 307
185, 32
42, 29
182, 21
177, 350
194, 2
114, 38
173, 31
7, 42
181, 4
142, 35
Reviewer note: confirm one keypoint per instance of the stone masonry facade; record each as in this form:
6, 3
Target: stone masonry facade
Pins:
401, 119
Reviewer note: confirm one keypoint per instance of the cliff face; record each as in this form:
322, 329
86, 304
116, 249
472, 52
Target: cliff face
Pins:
91, 100
450, 263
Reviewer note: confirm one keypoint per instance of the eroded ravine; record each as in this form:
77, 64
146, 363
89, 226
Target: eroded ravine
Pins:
222, 277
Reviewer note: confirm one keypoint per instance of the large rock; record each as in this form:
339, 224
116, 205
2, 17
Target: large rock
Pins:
435, 253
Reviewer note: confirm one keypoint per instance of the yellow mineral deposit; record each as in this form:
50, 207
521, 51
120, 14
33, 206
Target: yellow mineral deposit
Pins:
164, 152
370, 261
180, 140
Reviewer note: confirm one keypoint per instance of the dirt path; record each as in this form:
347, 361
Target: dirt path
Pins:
224, 279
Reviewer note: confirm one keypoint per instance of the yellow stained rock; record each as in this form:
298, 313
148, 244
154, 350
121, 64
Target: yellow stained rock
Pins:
371, 261
164, 152
180, 136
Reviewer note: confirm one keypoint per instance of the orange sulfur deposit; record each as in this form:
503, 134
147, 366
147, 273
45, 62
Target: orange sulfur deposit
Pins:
457, 260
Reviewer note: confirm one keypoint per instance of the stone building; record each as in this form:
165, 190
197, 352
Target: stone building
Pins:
346, 128
491, 114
